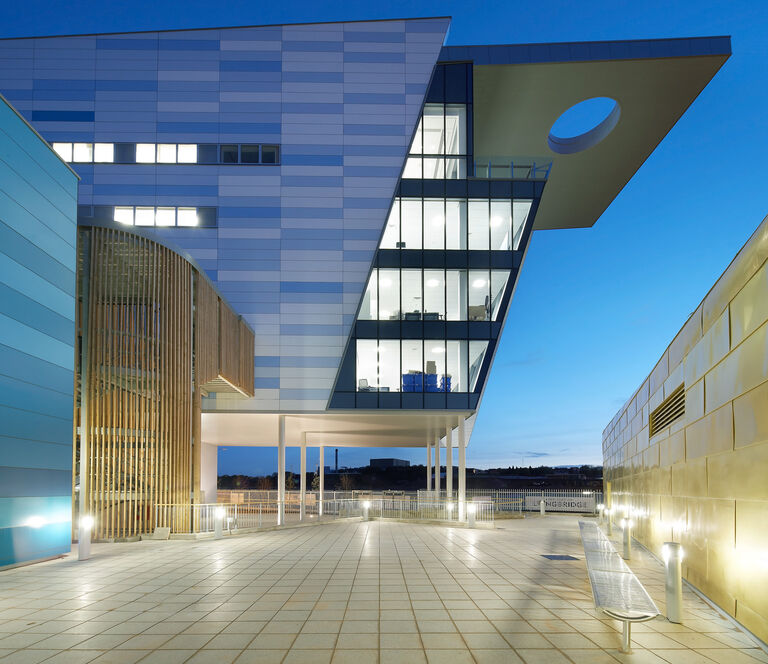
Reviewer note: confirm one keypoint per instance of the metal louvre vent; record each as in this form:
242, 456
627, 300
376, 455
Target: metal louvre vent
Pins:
671, 409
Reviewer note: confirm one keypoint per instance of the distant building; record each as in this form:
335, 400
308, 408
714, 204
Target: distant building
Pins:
389, 463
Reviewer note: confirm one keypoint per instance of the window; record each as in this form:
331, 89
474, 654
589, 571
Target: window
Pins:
124, 215
228, 154
456, 294
416, 365
187, 154
520, 212
186, 216
476, 356
501, 226
478, 224
367, 365
435, 378
434, 295
479, 308
369, 307
498, 284
104, 153
164, 216
455, 224
64, 150
456, 365
249, 154
82, 152
442, 130
434, 224
411, 359
413, 294
389, 294
270, 154
411, 297
145, 216
391, 236
166, 153
410, 223
145, 153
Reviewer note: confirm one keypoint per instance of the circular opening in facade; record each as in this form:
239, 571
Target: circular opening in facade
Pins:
583, 125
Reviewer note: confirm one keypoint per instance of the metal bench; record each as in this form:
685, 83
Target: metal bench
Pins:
615, 588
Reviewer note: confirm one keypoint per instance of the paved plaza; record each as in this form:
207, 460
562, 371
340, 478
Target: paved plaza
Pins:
346, 592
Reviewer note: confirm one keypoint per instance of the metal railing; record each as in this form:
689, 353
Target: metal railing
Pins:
511, 168
203, 518
577, 501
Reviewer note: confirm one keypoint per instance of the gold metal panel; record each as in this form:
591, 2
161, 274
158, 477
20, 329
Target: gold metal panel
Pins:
744, 368
740, 474
750, 417
711, 434
712, 348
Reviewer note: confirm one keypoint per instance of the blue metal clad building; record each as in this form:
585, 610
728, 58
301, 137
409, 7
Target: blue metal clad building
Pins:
289, 244
38, 225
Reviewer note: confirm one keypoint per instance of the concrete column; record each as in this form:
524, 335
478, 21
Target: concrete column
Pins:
429, 466
281, 471
449, 462
437, 465
322, 481
462, 470
303, 480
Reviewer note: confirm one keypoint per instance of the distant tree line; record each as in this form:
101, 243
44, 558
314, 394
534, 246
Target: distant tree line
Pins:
411, 478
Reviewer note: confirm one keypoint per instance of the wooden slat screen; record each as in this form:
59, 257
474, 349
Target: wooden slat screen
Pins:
139, 391
143, 384
206, 331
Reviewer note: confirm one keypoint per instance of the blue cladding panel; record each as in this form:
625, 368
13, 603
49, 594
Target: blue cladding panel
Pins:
279, 248
38, 203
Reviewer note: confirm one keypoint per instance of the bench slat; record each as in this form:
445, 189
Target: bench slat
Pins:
615, 588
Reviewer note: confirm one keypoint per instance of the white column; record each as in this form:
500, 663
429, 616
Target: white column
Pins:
429, 466
322, 481
448, 462
462, 471
303, 480
281, 471
437, 465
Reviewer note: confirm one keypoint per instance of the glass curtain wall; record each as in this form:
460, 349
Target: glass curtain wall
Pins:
413, 294
418, 365
456, 224
439, 149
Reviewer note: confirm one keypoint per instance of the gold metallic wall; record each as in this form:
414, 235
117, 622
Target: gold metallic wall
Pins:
703, 480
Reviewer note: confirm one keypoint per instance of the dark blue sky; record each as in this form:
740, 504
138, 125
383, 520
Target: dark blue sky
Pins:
594, 308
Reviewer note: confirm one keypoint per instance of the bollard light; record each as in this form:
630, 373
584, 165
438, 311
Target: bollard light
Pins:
218, 522
600, 509
672, 553
366, 510
542, 507
471, 511
84, 537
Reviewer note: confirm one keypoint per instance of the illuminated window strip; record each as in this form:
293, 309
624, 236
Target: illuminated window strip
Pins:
158, 216
169, 153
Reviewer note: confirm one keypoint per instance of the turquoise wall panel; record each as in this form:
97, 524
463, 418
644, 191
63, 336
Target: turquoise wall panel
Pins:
38, 206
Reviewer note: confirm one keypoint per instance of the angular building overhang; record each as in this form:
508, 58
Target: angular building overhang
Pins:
520, 91
395, 428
